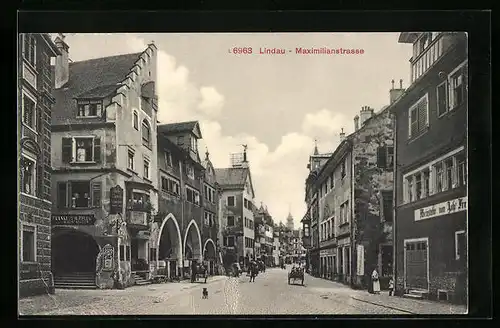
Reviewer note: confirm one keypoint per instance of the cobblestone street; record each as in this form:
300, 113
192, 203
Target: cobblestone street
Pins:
269, 295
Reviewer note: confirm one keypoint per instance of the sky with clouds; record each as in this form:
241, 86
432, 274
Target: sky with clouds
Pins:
277, 104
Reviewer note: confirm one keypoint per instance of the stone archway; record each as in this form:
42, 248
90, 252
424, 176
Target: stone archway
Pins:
192, 241
73, 251
210, 255
169, 245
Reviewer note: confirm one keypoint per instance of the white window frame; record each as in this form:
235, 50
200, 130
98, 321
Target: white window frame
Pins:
196, 195
73, 148
32, 158
447, 103
131, 151
174, 182
413, 240
35, 113
33, 65
190, 171
135, 114
35, 236
414, 107
88, 103
457, 256
149, 126
148, 161
437, 160
451, 102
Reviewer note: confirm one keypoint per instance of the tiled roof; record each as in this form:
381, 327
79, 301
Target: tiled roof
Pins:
96, 75
233, 176
99, 92
177, 127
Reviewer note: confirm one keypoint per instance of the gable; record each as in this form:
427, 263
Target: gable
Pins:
249, 185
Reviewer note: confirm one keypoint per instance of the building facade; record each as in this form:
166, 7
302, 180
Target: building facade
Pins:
35, 102
237, 222
264, 236
104, 181
431, 169
187, 222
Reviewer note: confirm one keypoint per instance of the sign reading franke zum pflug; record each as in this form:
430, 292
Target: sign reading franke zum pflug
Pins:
73, 219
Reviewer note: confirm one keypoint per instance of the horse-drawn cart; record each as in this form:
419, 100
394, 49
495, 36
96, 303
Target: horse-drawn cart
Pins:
201, 273
296, 274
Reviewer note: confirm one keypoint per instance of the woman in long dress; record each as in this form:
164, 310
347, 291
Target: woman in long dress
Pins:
375, 282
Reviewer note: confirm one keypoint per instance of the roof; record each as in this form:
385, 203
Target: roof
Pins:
232, 176
408, 37
90, 78
173, 128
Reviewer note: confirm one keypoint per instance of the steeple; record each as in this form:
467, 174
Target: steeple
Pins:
289, 221
207, 155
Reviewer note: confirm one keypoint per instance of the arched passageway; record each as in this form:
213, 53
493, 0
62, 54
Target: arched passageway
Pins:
192, 246
209, 255
73, 251
169, 248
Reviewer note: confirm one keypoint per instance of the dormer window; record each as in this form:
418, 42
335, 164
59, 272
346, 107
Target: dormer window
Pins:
194, 144
89, 108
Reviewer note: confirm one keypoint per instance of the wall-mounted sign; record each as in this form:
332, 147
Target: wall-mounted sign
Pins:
449, 207
73, 219
108, 257
116, 200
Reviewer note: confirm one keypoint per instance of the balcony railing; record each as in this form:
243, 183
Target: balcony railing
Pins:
421, 63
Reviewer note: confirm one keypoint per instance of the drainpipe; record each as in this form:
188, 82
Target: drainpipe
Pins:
394, 202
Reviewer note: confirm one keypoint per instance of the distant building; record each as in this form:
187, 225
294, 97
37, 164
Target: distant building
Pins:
264, 236
237, 222
431, 169
35, 105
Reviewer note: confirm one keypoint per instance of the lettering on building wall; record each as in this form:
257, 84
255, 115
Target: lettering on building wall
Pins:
73, 219
116, 200
444, 208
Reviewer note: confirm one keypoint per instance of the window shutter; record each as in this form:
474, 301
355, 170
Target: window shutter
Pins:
405, 190
62, 195
422, 115
382, 157
432, 180
97, 150
67, 150
96, 194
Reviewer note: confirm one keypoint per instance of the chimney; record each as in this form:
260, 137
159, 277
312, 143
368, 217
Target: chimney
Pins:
342, 135
62, 62
394, 94
365, 113
356, 123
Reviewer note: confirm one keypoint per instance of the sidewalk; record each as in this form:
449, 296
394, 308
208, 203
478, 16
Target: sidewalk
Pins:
410, 306
75, 298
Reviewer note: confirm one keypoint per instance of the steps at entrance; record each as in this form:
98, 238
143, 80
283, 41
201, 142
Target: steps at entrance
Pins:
416, 294
140, 280
77, 280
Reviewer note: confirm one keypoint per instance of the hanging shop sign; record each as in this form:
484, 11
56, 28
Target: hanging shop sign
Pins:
448, 207
116, 200
73, 219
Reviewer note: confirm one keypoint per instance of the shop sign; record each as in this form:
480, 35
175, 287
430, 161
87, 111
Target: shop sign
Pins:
73, 219
448, 207
108, 256
116, 200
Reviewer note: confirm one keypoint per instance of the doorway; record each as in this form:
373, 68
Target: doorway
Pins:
416, 264
73, 251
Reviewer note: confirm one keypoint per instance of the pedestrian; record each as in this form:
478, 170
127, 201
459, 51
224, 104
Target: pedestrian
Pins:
253, 273
391, 286
375, 281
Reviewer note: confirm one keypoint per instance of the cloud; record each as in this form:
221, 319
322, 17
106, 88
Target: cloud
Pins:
278, 174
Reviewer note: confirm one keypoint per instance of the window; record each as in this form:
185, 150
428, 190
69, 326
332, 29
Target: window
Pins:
439, 177
190, 171
209, 193
460, 245
168, 158
418, 186
449, 173
135, 122
192, 196
139, 201
146, 168
229, 241
410, 189
387, 205
81, 150
425, 181
194, 143
146, 134
418, 117
80, 194
230, 201
230, 221
130, 162
461, 171
170, 185
88, 108
122, 252
457, 88
96, 194
29, 243
385, 157
442, 102
29, 112
29, 49
28, 175
342, 169
180, 140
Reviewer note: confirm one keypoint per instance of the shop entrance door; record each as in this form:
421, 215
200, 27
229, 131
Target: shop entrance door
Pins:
416, 264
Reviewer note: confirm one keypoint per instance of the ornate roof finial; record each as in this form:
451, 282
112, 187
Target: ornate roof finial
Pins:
316, 152
206, 154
